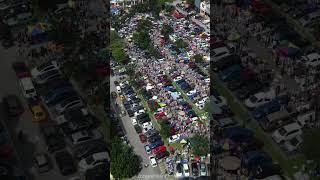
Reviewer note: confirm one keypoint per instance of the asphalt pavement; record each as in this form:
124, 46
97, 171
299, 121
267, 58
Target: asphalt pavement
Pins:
35, 142
148, 172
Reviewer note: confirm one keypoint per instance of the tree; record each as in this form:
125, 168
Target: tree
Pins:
198, 58
124, 163
166, 30
169, 8
164, 128
310, 145
199, 145
190, 2
181, 44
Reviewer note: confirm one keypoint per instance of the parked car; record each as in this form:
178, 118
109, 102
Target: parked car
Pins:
65, 163
38, 113
43, 68
260, 98
248, 89
162, 155
147, 149
47, 76
203, 169
268, 108
21, 69
225, 62
159, 150
186, 170
142, 138
87, 149
42, 162
93, 161
85, 136
179, 171
230, 72
275, 120
12, 105
293, 144
69, 103
153, 161
55, 97
194, 169
286, 132
175, 138
156, 144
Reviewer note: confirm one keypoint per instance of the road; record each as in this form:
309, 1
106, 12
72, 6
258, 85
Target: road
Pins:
134, 140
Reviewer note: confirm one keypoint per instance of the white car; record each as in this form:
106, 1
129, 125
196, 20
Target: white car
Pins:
147, 125
153, 161
85, 136
118, 89
174, 138
178, 78
190, 93
141, 111
93, 161
259, 99
43, 68
207, 80
134, 121
203, 169
293, 144
286, 132
186, 170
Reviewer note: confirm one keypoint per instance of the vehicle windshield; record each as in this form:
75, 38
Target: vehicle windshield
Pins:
282, 131
89, 160
253, 99
294, 141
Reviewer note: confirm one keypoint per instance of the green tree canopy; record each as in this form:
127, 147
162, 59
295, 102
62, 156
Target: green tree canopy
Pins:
190, 2
199, 145
124, 163
181, 44
166, 30
198, 58
310, 146
164, 128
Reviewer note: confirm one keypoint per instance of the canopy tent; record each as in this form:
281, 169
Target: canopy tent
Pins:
175, 95
183, 141
38, 29
288, 51
162, 105
230, 163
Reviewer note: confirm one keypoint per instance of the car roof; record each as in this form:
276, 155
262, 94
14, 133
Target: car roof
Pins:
291, 126
41, 159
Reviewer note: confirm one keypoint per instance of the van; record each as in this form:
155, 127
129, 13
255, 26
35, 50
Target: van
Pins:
286, 132
28, 89
275, 120
305, 118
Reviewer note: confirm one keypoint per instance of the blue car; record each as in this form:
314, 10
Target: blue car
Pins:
264, 110
156, 144
230, 72
53, 97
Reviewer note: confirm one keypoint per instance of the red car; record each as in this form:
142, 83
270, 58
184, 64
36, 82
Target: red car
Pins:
160, 149
192, 65
143, 138
160, 115
21, 69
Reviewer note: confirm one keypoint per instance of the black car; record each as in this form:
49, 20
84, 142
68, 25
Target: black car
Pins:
162, 155
225, 62
87, 149
144, 120
77, 125
194, 169
53, 138
249, 89
179, 168
142, 116
130, 113
137, 128
151, 133
100, 172
154, 138
65, 163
